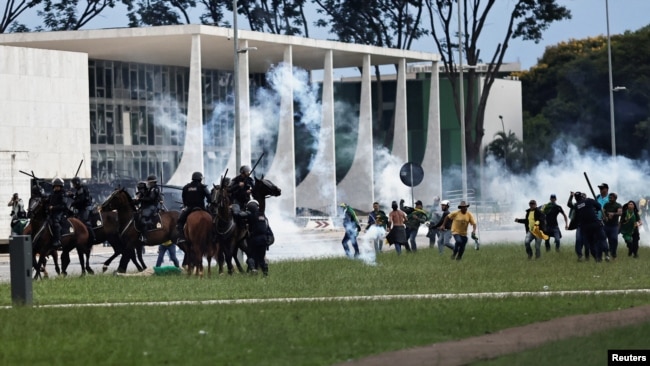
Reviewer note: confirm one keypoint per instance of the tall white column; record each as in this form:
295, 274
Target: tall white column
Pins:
318, 190
432, 165
283, 167
357, 188
400, 133
192, 159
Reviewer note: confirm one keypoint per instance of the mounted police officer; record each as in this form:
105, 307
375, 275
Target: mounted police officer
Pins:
240, 188
36, 197
57, 210
147, 197
194, 196
82, 204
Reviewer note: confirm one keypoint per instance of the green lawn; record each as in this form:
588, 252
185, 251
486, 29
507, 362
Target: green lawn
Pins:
310, 333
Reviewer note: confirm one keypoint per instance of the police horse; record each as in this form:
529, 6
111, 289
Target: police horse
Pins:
165, 225
74, 235
231, 233
200, 241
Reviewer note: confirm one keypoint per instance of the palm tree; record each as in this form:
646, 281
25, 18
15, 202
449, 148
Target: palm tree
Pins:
506, 148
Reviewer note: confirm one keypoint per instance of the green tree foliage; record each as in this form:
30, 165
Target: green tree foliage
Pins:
538, 140
61, 15
159, 12
275, 16
527, 20
12, 10
570, 88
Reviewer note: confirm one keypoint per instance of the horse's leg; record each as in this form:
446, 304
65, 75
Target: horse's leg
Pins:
109, 260
82, 260
55, 259
65, 261
139, 252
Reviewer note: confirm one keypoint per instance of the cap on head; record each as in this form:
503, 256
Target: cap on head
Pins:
418, 203
343, 204
463, 204
553, 196
444, 202
152, 177
578, 195
603, 186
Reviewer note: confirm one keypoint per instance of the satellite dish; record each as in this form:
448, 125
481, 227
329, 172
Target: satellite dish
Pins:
411, 174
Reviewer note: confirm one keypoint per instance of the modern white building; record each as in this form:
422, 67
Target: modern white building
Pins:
156, 100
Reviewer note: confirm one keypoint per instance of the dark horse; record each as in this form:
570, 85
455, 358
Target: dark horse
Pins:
120, 200
74, 235
106, 226
230, 236
200, 241
262, 189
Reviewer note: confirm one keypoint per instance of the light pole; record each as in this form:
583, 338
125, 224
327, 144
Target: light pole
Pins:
236, 86
611, 83
505, 142
461, 105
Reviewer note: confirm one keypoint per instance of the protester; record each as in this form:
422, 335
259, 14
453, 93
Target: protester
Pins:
460, 221
613, 211
535, 224
630, 223
415, 216
444, 236
377, 222
396, 224
352, 228
434, 218
551, 210
170, 248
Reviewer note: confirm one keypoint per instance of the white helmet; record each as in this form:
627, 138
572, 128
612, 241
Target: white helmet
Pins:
252, 203
444, 202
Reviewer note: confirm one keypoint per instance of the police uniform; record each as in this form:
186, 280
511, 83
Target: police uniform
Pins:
257, 245
194, 196
239, 193
57, 210
148, 197
82, 202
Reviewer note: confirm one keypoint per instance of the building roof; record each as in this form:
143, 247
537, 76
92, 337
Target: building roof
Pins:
171, 45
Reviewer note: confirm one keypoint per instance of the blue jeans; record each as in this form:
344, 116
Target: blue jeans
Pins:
538, 245
412, 234
171, 249
350, 235
612, 239
444, 240
555, 233
459, 247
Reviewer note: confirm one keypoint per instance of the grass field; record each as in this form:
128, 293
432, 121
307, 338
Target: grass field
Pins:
317, 332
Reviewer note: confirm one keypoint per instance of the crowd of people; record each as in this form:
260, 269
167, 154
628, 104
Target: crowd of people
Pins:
597, 222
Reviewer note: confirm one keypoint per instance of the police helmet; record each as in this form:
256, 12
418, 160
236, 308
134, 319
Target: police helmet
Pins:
197, 176
76, 181
252, 203
57, 182
36, 190
245, 169
152, 177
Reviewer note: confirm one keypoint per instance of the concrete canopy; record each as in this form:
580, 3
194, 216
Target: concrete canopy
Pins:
156, 45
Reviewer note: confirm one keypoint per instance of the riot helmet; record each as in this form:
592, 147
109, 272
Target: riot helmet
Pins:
152, 177
252, 204
151, 181
57, 182
76, 181
197, 176
36, 190
245, 169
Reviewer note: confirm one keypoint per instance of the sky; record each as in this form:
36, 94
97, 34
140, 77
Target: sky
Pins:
588, 19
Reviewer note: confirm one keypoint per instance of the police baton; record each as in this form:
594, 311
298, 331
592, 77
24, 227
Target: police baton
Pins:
79, 167
258, 161
602, 209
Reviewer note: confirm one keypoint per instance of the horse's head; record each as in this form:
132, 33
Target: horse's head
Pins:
118, 200
264, 187
38, 208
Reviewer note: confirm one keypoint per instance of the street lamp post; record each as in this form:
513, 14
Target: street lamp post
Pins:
505, 142
611, 83
461, 105
236, 86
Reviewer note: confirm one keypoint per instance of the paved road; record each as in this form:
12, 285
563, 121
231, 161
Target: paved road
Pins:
290, 244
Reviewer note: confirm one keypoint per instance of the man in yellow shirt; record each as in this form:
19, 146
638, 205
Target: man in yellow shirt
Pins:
460, 221
535, 224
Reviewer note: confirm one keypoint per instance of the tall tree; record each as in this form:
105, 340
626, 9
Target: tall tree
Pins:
506, 148
527, 20
13, 9
159, 12
64, 14
275, 16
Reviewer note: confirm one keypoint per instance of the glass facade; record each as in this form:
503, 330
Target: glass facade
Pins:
138, 118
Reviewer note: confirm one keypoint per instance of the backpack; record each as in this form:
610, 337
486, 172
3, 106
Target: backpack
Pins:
270, 238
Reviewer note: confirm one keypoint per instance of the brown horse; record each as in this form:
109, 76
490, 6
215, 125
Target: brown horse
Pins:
229, 235
38, 269
262, 189
200, 241
75, 236
120, 200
